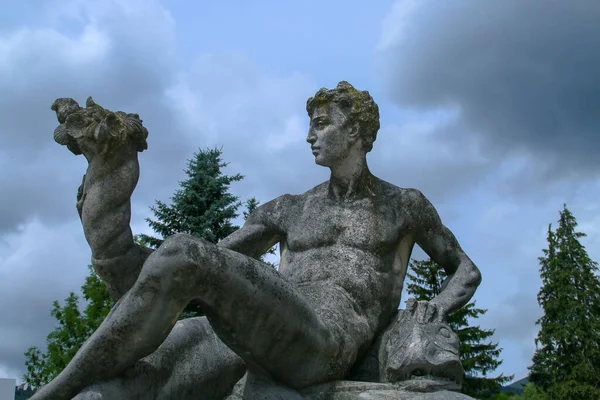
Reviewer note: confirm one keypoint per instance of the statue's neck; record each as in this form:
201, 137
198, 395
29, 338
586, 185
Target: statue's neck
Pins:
350, 180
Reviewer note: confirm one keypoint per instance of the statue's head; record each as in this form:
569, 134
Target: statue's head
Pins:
343, 122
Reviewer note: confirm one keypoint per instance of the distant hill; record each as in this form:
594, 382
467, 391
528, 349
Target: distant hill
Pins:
516, 387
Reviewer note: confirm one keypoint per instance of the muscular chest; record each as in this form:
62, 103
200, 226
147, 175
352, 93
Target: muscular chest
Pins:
363, 224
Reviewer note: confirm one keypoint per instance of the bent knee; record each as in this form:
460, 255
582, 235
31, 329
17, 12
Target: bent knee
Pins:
181, 257
180, 244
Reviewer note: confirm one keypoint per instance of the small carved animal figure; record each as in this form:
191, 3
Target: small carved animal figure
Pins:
409, 349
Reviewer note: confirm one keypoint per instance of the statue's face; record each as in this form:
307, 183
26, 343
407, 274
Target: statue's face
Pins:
329, 135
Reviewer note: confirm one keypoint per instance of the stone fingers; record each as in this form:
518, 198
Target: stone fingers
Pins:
424, 311
430, 312
411, 305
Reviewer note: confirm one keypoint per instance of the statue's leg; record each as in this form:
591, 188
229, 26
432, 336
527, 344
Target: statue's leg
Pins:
259, 315
192, 363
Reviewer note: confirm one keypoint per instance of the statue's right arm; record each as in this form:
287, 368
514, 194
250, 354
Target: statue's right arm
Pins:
105, 205
110, 141
105, 211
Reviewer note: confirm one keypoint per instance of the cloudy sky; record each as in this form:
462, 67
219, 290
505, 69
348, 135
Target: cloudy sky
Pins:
489, 108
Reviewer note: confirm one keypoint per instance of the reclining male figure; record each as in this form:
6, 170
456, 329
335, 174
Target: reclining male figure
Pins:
345, 247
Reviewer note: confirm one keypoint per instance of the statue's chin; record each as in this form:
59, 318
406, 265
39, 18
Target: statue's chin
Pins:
319, 160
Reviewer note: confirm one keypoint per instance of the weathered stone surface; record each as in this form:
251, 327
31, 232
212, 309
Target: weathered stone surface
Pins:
253, 386
413, 389
348, 390
418, 359
192, 363
408, 348
345, 247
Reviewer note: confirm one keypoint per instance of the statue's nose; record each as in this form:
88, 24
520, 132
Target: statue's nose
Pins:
311, 138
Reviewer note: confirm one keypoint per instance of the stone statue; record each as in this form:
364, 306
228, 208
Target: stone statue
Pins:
345, 247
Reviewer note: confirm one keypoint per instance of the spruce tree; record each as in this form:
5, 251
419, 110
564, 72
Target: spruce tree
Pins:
202, 207
566, 364
479, 357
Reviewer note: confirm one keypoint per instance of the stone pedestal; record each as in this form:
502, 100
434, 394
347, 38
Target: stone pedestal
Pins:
253, 387
349, 390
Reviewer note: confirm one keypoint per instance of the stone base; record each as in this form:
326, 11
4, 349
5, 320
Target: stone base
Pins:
252, 387
351, 390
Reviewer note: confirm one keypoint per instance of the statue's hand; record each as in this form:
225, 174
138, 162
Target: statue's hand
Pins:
94, 131
426, 311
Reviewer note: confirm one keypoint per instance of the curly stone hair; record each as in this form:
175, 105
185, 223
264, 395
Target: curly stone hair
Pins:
96, 123
358, 105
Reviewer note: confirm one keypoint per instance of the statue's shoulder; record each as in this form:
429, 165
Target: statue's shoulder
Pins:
318, 191
282, 210
410, 202
400, 196
290, 202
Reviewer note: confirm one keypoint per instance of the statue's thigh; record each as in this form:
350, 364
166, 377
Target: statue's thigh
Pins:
255, 311
192, 363
266, 319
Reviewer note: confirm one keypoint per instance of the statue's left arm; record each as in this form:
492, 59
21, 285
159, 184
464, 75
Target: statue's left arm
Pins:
440, 244
261, 231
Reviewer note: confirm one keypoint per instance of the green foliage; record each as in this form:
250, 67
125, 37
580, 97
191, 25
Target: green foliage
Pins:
74, 327
531, 392
479, 358
504, 396
202, 207
23, 394
251, 205
566, 364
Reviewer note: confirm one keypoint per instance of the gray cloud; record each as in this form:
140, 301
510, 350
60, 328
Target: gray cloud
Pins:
521, 81
34, 271
522, 75
428, 156
123, 57
259, 120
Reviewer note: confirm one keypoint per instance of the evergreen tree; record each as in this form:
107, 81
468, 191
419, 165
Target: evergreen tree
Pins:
566, 364
202, 207
531, 392
23, 393
74, 327
251, 205
478, 358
